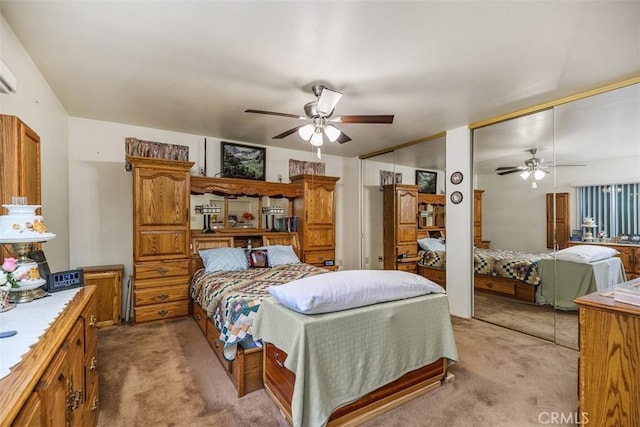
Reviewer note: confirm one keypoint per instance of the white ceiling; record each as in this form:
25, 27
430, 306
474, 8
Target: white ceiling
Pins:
195, 66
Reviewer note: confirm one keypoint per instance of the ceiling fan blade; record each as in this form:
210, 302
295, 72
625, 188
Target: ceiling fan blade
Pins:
509, 171
342, 138
559, 166
328, 101
504, 168
273, 113
288, 132
382, 119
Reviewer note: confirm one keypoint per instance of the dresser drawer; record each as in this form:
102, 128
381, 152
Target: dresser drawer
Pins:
161, 294
410, 250
159, 269
411, 267
213, 338
319, 257
495, 284
161, 311
160, 283
277, 378
200, 317
435, 275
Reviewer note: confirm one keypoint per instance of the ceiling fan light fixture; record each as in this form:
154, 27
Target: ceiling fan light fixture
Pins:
316, 138
538, 174
306, 131
525, 175
534, 184
332, 132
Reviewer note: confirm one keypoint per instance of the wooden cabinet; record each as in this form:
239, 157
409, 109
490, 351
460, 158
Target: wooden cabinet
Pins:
160, 238
478, 241
558, 226
108, 282
629, 255
608, 380
431, 215
19, 164
56, 383
316, 212
400, 210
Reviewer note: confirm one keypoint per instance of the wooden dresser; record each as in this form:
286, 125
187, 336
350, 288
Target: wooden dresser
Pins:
160, 238
609, 366
56, 383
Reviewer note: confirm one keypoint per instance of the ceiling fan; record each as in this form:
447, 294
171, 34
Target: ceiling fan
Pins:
535, 168
320, 113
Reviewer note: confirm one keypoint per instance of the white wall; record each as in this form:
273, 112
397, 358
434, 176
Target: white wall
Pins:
100, 189
36, 105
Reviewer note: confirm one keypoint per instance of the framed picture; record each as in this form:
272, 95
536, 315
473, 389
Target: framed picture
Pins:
243, 161
426, 181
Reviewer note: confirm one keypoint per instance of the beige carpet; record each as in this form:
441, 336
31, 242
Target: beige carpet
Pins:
165, 374
537, 320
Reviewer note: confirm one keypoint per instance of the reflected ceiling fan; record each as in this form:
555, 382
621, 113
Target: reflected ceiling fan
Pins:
535, 168
320, 115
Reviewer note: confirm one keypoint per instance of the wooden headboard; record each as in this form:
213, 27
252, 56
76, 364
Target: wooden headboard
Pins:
201, 241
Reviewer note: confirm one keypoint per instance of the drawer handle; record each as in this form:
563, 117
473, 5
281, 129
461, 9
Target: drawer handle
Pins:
93, 321
93, 365
215, 343
198, 317
320, 258
163, 297
163, 270
276, 356
489, 285
163, 312
94, 404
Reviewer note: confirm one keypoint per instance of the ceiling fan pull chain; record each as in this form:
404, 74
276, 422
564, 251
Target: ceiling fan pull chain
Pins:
319, 154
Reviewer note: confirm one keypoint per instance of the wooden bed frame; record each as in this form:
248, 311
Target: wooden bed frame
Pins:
279, 383
513, 288
245, 371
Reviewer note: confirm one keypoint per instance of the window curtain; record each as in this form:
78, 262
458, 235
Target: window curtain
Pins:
615, 208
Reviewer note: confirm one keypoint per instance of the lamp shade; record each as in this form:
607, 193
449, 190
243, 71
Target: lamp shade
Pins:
22, 225
524, 175
332, 132
306, 132
538, 174
316, 138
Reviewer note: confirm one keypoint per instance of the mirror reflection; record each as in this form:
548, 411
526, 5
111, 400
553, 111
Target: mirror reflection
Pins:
562, 186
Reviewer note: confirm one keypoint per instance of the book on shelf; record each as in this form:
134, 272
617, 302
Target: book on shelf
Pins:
628, 293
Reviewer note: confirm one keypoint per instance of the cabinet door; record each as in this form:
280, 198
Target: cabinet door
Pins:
161, 204
406, 219
320, 205
558, 222
31, 413
108, 289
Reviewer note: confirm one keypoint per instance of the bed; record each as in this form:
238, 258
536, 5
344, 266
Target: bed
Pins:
334, 368
224, 303
532, 277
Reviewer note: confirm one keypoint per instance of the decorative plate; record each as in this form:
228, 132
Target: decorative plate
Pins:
456, 178
456, 197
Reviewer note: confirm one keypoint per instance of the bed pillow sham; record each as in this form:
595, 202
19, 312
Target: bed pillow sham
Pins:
585, 253
281, 254
343, 290
228, 259
431, 244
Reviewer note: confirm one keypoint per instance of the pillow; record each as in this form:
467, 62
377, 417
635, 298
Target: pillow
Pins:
585, 253
258, 258
431, 244
342, 290
229, 259
281, 254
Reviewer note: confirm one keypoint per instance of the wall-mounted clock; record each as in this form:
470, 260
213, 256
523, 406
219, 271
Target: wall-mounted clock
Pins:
456, 197
456, 178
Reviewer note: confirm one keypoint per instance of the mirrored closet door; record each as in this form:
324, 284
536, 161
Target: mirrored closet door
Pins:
586, 193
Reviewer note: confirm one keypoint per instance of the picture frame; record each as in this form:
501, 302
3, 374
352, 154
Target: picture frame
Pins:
243, 161
426, 181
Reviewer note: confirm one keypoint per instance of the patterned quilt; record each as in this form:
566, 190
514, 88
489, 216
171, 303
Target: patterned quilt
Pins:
495, 262
232, 298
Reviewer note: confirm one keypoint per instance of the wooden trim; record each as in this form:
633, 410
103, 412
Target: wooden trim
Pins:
554, 103
243, 187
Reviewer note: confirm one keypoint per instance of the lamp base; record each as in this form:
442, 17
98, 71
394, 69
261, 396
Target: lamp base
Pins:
27, 295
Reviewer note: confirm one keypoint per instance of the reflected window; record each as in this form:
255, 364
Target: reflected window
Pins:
615, 208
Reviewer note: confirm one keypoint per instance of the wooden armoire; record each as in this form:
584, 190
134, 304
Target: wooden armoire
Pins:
558, 220
19, 165
161, 233
316, 212
400, 227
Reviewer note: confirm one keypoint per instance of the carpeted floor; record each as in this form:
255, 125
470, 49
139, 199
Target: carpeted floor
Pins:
165, 374
537, 320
